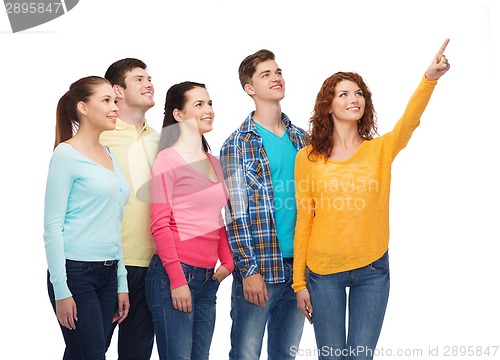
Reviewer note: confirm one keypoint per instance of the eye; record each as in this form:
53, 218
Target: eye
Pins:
279, 72
116, 102
359, 93
342, 94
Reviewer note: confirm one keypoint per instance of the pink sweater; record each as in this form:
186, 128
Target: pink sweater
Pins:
186, 220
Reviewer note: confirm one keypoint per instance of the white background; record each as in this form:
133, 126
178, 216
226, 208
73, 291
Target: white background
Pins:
444, 200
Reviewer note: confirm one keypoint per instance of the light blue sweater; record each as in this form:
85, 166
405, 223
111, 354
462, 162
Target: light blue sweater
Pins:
83, 211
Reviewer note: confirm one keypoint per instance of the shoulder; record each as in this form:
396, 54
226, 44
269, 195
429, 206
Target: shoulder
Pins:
167, 154
64, 151
151, 133
298, 130
233, 140
304, 152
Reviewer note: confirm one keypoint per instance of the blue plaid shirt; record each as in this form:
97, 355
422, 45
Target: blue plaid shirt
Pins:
250, 213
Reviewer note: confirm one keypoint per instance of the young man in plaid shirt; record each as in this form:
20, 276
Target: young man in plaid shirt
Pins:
258, 161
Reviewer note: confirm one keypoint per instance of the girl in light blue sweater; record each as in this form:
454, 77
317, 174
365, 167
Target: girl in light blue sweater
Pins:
84, 201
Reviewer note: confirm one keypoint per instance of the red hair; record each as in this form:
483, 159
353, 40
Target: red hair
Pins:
321, 122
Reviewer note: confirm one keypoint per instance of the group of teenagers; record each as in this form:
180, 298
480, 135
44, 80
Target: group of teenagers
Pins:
141, 227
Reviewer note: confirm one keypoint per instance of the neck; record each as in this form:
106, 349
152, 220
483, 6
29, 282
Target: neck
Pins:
131, 115
346, 136
189, 143
88, 138
269, 116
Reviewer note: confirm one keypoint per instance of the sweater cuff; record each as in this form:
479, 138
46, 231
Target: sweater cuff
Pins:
175, 275
61, 290
122, 284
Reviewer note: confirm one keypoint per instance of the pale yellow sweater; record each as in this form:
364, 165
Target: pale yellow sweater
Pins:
343, 206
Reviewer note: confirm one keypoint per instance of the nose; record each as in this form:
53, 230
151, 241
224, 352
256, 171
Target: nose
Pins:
209, 109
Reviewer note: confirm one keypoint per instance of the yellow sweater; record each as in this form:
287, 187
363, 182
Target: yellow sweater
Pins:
135, 152
343, 206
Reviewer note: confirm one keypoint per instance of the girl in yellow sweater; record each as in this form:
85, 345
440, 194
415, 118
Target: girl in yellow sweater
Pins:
342, 184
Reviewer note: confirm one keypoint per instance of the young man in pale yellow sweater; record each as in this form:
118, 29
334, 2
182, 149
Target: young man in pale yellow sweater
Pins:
135, 145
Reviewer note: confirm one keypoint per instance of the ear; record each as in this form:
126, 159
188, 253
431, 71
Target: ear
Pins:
118, 91
82, 108
177, 115
249, 89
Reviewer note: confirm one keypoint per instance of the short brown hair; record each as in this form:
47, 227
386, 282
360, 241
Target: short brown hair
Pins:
117, 71
249, 64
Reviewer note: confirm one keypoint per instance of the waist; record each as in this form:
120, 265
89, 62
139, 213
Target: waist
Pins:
104, 263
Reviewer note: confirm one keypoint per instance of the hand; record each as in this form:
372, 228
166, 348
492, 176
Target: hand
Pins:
439, 65
221, 273
304, 304
255, 290
181, 298
66, 312
123, 308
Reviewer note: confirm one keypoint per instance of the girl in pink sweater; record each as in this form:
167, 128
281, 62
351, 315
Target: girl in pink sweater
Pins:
187, 195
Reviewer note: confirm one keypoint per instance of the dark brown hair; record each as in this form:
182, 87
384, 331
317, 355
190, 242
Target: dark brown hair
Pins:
117, 71
176, 99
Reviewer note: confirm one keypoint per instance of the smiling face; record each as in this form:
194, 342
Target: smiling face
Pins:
139, 90
197, 110
348, 103
267, 82
100, 110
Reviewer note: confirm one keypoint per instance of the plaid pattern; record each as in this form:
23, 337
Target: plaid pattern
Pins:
250, 213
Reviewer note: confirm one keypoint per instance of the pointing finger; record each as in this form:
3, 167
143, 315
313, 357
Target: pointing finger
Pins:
442, 49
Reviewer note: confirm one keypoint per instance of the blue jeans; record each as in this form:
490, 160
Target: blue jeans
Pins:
136, 332
94, 287
368, 296
284, 321
181, 335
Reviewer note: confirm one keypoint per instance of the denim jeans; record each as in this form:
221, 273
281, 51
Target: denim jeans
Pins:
284, 321
136, 332
181, 335
94, 287
368, 296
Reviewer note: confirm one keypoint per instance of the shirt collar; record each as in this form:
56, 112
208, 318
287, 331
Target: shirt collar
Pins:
249, 125
122, 125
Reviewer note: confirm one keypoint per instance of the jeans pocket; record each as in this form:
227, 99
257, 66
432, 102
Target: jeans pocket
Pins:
382, 264
77, 267
188, 272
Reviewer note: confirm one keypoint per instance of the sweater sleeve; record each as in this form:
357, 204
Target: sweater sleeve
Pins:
163, 221
305, 218
225, 256
58, 189
224, 251
403, 130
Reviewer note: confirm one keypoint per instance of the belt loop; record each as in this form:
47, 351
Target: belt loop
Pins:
109, 262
